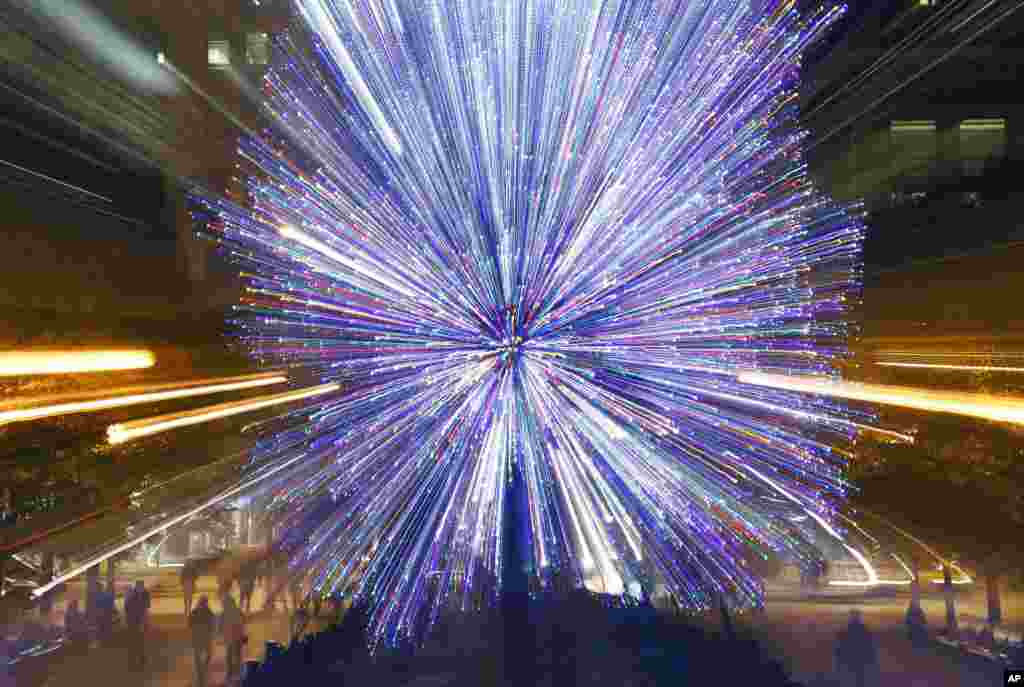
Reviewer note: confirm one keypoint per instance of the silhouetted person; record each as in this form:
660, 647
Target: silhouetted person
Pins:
947, 587
201, 623
92, 602
277, 582
233, 628
856, 653
317, 601
300, 618
295, 592
7, 652
188, 585
105, 611
246, 587
136, 613
75, 625
917, 624
334, 608
1016, 655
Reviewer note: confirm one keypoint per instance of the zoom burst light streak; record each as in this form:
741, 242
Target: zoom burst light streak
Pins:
543, 236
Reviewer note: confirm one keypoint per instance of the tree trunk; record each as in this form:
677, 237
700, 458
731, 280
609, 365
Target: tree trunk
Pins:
46, 603
727, 626
995, 605
947, 576
111, 573
92, 576
915, 584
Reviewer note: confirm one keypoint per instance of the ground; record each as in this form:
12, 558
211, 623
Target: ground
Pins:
798, 631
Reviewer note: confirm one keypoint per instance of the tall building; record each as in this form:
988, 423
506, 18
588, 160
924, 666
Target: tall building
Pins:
911, 110
94, 161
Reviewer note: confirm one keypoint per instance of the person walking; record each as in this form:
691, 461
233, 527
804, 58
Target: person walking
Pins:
295, 592
188, 585
856, 653
105, 610
299, 621
246, 587
318, 602
334, 605
75, 625
92, 603
917, 624
233, 630
136, 611
201, 624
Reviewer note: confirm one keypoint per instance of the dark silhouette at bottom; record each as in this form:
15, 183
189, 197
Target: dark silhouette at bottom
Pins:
574, 639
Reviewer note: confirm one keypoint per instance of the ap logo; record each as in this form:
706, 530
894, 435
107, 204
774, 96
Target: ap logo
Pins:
1014, 677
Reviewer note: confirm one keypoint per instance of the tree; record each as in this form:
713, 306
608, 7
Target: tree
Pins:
959, 487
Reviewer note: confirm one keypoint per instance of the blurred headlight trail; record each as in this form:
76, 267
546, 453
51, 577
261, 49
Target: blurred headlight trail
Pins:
183, 391
15, 364
984, 406
126, 431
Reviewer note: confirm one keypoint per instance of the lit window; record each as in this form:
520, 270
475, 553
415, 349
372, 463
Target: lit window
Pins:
981, 140
257, 48
983, 125
913, 125
219, 53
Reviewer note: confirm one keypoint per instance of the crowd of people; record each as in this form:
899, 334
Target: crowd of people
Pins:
98, 621
279, 587
562, 635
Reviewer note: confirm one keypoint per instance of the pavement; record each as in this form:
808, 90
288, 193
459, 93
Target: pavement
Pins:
169, 652
801, 632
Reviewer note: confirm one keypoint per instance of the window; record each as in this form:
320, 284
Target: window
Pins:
981, 140
913, 126
913, 147
983, 125
257, 48
219, 53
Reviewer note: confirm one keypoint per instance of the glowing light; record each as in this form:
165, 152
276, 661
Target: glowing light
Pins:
965, 368
182, 391
163, 527
545, 242
887, 432
17, 363
120, 433
984, 406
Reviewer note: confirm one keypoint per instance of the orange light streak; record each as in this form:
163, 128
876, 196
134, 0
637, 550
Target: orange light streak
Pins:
182, 391
18, 363
966, 368
983, 406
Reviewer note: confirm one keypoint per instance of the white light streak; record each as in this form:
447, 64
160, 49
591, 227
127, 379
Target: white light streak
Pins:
120, 433
99, 558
